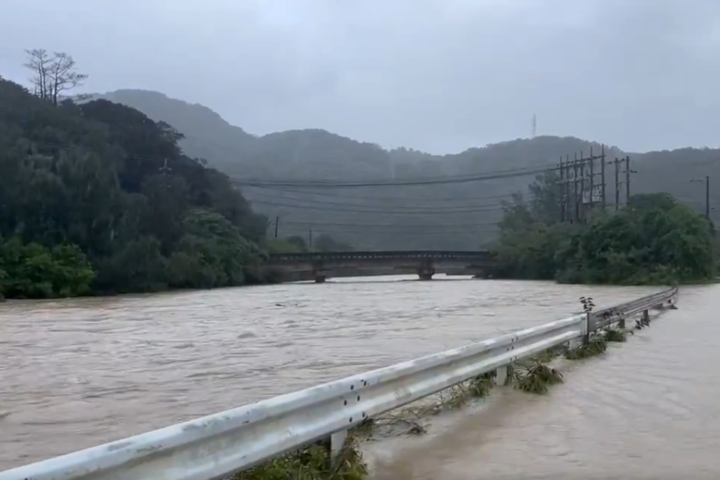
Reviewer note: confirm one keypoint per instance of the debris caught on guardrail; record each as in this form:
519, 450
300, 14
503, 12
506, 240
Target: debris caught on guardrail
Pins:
614, 334
596, 346
535, 377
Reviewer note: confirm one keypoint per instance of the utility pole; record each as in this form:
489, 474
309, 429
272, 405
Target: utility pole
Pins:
575, 189
707, 197
627, 180
583, 160
592, 180
310, 240
562, 190
568, 208
707, 194
602, 174
617, 184
277, 221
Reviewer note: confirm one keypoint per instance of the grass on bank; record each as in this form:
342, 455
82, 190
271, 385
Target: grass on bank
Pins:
312, 463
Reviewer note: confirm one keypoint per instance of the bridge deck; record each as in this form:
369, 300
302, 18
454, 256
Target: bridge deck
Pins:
394, 255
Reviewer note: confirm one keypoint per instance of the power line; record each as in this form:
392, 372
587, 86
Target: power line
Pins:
374, 197
336, 207
437, 181
389, 225
318, 230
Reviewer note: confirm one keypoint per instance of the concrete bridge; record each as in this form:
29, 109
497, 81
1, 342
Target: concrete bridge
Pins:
320, 266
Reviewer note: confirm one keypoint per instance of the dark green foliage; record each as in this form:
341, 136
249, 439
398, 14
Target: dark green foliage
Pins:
615, 335
32, 270
287, 245
653, 240
535, 377
99, 197
596, 346
325, 243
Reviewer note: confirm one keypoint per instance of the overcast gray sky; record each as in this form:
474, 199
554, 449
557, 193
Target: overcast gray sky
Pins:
436, 75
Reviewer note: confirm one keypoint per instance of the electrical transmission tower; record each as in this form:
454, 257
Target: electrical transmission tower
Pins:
582, 187
534, 125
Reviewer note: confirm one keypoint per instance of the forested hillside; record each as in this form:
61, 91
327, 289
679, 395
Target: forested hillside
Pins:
400, 213
99, 198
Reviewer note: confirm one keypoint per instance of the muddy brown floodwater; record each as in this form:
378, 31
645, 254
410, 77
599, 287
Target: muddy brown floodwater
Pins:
77, 373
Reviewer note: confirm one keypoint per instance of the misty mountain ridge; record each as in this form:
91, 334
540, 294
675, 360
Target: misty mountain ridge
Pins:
439, 216
227, 146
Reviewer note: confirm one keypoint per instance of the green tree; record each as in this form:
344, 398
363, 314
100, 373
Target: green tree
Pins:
325, 243
96, 197
653, 240
298, 242
34, 271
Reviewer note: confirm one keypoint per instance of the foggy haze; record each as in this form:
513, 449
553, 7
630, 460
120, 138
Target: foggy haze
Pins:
435, 75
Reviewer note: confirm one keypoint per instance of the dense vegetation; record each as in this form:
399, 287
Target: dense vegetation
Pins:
97, 197
439, 216
652, 240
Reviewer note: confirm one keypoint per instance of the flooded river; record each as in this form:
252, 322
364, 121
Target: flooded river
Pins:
77, 373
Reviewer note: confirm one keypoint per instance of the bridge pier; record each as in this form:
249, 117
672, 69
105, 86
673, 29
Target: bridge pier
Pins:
426, 273
320, 277
480, 274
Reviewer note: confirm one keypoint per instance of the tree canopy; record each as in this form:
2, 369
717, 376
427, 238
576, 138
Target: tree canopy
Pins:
98, 197
652, 240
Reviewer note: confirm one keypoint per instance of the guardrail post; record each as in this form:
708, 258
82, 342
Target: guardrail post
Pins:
337, 443
501, 376
588, 328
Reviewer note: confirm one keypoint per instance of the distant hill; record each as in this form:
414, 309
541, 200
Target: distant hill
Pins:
458, 215
207, 134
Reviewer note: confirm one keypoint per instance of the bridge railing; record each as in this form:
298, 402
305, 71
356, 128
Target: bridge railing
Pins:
218, 445
420, 255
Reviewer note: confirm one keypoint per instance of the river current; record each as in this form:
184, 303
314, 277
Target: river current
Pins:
76, 373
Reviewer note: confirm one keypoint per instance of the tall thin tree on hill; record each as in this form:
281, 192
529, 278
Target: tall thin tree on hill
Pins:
53, 73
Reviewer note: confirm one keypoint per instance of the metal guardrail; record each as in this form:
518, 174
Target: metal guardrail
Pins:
607, 316
218, 445
419, 255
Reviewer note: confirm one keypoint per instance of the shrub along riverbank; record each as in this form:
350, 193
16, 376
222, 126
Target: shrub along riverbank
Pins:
653, 240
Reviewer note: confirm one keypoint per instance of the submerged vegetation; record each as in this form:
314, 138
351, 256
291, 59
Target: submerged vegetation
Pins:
535, 377
312, 463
